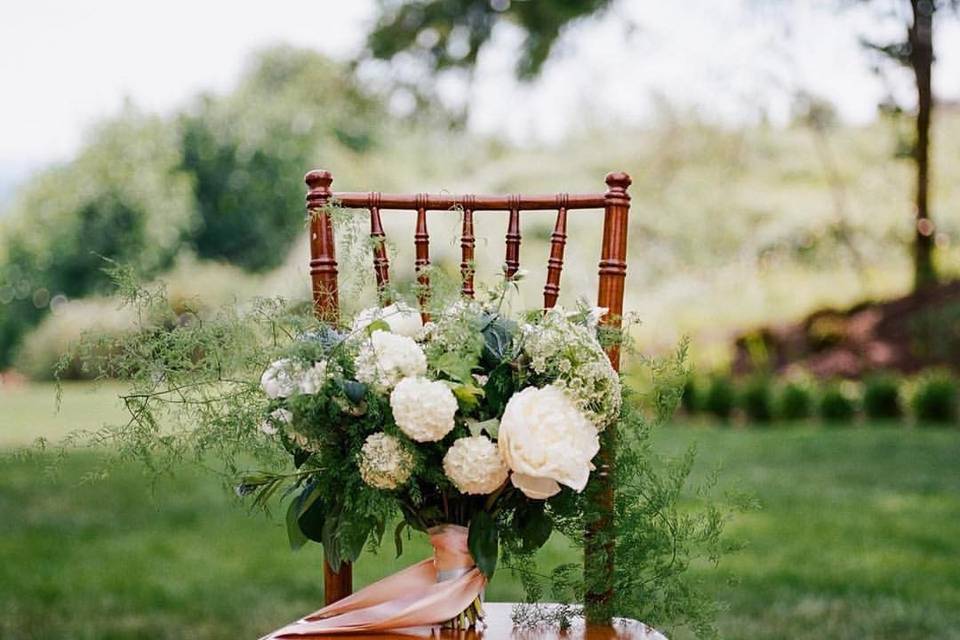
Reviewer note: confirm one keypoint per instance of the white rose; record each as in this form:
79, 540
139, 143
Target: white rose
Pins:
384, 463
546, 441
385, 358
402, 319
313, 379
281, 379
474, 465
423, 409
277, 416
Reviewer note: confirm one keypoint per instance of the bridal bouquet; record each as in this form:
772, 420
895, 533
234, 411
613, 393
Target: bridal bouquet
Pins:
471, 425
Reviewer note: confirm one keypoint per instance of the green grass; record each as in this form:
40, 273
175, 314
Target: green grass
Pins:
858, 537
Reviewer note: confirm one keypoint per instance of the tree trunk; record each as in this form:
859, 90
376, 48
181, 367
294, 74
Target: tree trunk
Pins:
920, 37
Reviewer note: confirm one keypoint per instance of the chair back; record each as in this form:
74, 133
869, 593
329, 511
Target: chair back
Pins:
615, 204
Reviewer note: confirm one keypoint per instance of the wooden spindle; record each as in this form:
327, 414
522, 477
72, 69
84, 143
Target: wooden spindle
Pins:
421, 241
599, 542
512, 263
558, 241
467, 243
381, 263
323, 273
323, 258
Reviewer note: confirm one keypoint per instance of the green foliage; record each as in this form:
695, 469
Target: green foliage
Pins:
689, 399
121, 199
756, 399
796, 401
934, 398
881, 397
445, 34
720, 397
246, 152
837, 403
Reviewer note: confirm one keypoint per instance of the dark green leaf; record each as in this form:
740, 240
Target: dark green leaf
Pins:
483, 542
331, 543
294, 533
312, 520
534, 526
497, 340
355, 391
498, 389
300, 456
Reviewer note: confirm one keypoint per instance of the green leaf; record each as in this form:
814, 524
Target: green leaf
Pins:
534, 526
398, 537
329, 538
497, 341
312, 520
468, 396
377, 325
354, 390
294, 532
483, 542
499, 388
455, 367
491, 427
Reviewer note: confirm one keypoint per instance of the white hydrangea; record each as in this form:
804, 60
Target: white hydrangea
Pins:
386, 358
384, 463
313, 379
277, 417
570, 353
402, 319
546, 441
474, 465
423, 409
281, 379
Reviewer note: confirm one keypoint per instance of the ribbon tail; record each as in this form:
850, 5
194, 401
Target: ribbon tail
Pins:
425, 606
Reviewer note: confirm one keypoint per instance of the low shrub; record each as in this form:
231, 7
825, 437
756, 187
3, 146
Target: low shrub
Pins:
61, 331
756, 399
934, 398
796, 400
838, 403
719, 398
881, 397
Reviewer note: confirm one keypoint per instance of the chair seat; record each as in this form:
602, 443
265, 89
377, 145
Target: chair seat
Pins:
500, 627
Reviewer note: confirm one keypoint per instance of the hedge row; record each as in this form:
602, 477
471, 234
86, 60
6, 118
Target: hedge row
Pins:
931, 397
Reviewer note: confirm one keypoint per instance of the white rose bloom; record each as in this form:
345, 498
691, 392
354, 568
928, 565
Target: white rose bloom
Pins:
423, 409
277, 416
546, 441
474, 465
281, 379
386, 358
402, 319
313, 378
384, 463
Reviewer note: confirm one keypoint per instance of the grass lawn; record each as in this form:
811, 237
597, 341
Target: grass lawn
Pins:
858, 537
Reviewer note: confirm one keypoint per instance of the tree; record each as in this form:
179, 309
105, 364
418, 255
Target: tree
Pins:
915, 51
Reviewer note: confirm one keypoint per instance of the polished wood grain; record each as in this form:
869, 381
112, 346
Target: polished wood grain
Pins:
381, 264
467, 243
615, 203
499, 626
558, 241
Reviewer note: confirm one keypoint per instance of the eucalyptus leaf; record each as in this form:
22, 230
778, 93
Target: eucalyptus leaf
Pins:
483, 542
355, 391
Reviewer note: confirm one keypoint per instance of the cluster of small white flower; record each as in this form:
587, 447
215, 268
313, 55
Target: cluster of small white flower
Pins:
423, 409
286, 377
385, 358
475, 466
384, 462
570, 353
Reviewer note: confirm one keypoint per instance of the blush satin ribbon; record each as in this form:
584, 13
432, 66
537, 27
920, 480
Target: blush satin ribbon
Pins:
409, 598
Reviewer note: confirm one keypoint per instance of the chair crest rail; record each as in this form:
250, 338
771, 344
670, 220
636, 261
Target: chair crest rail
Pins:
450, 202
